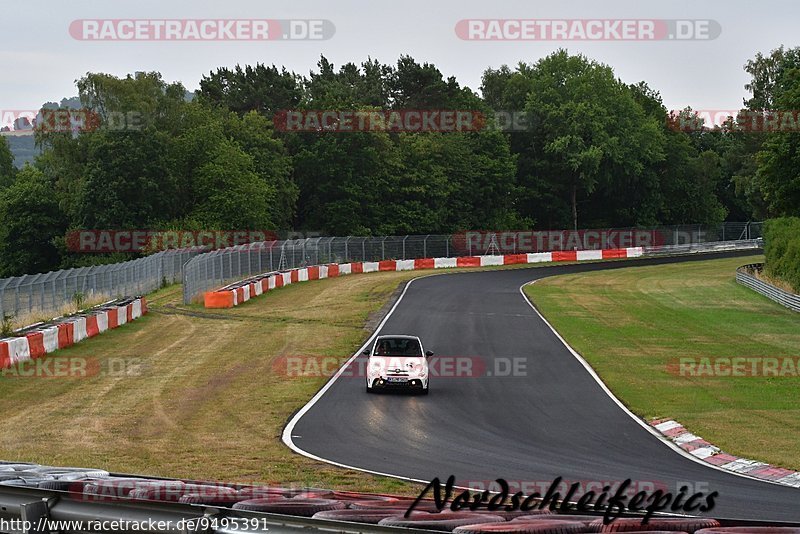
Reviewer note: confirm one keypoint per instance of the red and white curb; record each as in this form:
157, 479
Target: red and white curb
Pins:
67, 331
228, 297
700, 448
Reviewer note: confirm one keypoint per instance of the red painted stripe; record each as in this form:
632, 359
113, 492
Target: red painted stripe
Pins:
313, 273
144, 305
333, 270
387, 265
264, 285
239, 295
252, 289
279, 281
514, 259
565, 255
468, 261
36, 344
113, 321
356, 267
5, 355
295, 276
66, 335
91, 326
615, 253
129, 312
424, 263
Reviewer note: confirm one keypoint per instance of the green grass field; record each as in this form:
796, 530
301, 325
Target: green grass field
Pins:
633, 326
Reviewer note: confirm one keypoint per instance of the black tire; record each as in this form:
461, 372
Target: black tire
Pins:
443, 521
634, 524
750, 530
371, 517
525, 527
398, 507
299, 507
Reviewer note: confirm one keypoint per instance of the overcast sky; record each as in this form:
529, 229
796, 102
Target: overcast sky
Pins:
41, 60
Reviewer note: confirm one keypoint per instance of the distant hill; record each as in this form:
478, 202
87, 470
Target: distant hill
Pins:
22, 147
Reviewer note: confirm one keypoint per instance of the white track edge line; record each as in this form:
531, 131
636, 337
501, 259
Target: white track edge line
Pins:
663, 439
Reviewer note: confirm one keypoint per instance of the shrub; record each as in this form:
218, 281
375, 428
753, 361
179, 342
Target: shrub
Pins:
782, 250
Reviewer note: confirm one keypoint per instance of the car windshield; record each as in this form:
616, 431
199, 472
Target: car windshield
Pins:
398, 347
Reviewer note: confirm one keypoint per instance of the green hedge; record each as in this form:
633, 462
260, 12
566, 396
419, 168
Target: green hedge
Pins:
782, 250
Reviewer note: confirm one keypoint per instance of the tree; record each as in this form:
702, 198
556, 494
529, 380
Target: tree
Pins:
31, 221
7, 170
265, 90
587, 129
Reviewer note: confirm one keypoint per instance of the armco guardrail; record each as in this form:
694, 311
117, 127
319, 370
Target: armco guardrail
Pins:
244, 290
790, 300
215, 269
48, 292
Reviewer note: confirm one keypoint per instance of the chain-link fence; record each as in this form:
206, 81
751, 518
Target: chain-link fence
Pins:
45, 293
217, 268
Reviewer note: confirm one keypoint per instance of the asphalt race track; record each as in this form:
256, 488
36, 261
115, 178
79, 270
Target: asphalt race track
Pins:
556, 421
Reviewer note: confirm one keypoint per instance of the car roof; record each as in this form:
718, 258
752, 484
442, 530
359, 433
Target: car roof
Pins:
398, 336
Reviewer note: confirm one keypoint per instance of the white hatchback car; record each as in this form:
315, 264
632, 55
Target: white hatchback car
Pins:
397, 362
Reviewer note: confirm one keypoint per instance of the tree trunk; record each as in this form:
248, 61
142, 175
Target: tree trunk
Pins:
575, 207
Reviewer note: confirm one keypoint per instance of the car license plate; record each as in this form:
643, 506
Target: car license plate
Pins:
396, 379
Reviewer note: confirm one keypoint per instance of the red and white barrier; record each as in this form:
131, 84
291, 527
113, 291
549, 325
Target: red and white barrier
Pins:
229, 297
62, 334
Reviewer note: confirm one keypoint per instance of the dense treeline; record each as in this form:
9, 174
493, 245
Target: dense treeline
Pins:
596, 153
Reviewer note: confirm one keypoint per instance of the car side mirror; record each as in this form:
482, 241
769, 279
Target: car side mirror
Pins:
365, 353
428, 353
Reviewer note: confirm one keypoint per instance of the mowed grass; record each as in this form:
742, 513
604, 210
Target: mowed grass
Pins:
633, 325
203, 397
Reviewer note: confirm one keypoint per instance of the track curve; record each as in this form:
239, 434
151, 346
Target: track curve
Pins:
555, 421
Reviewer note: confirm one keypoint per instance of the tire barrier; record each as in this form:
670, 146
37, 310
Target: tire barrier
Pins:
97, 485
242, 291
35, 341
700, 448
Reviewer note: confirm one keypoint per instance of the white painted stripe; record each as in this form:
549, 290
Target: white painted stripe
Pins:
271, 282
743, 465
686, 438
491, 260
122, 315
634, 252
791, 480
667, 425
370, 266
538, 257
50, 339
345, 268
302, 275
404, 265
704, 452
258, 288
235, 297
444, 263
79, 330
18, 349
584, 255
102, 322
287, 278
323, 271
137, 308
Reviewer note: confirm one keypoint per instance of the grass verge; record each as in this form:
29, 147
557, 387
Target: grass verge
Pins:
193, 393
633, 325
